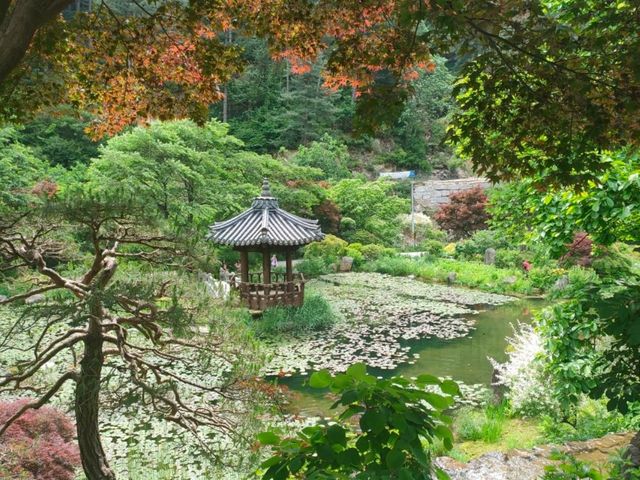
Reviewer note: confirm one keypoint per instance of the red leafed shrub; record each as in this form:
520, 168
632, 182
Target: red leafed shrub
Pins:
39, 445
45, 188
578, 251
328, 214
464, 214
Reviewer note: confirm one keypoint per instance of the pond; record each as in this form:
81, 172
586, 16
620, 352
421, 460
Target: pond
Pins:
401, 326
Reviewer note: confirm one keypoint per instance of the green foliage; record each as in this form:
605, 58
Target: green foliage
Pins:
373, 209
590, 419
608, 209
421, 127
397, 417
270, 107
326, 154
469, 274
194, 175
432, 247
20, 170
475, 246
331, 248
315, 314
570, 468
373, 252
593, 343
316, 266
59, 137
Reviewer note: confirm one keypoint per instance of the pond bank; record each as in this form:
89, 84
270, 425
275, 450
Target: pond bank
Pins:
529, 464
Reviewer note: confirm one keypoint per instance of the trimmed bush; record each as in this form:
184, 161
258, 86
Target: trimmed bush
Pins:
39, 445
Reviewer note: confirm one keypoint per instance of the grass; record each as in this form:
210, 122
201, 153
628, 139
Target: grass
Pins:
479, 431
486, 425
315, 314
469, 274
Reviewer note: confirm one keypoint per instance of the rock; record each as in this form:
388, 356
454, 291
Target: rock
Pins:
490, 256
37, 298
510, 280
499, 390
3, 298
632, 455
529, 464
451, 277
345, 264
561, 283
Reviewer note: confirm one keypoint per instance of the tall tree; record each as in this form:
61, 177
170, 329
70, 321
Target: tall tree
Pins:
93, 318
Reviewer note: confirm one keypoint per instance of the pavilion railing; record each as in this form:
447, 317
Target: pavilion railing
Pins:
279, 292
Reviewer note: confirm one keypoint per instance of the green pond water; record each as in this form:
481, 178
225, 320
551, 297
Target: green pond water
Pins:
463, 359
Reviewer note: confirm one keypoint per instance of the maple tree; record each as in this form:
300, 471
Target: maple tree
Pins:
543, 84
464, 214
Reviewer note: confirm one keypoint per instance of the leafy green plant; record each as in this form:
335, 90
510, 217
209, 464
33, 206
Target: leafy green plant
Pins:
589, 420
315, 314
570, 468
478, 242
326, 154
398, 420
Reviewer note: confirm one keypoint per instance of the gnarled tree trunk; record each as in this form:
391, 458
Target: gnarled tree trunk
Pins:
87, 406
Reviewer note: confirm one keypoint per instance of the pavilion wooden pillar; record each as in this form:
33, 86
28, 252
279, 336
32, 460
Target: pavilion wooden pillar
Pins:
266, 267
289, 271
244, 266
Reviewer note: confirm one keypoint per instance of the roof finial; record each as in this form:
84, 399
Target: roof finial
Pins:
266, 190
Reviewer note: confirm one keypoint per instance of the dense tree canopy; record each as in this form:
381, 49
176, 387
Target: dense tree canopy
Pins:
543, 84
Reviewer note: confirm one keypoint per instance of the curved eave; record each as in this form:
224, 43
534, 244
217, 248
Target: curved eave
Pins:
262, 227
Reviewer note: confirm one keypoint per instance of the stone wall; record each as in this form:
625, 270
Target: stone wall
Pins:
433, 193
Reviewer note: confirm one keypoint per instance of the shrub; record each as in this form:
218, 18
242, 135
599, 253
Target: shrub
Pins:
591, 420
399, 420
432, 247
578, 251
529, 390
354, 250
328, 215
316, 266
464, 214
478, 243
331, 247
508, 258
315, 314
372, 251
39, 445
612, 263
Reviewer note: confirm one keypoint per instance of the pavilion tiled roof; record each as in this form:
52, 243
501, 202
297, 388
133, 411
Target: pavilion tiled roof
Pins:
265, 224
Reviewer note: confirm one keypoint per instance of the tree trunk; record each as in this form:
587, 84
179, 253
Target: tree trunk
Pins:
18, 26
87, 406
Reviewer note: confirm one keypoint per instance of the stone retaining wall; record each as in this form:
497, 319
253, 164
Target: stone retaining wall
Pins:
434, 193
